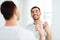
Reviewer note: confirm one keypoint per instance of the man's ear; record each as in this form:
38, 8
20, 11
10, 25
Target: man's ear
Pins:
15, 13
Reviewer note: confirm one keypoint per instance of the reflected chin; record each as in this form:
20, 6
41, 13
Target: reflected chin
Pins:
35, 18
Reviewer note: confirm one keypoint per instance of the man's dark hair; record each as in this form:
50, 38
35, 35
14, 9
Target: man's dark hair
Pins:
35, 7
7, 9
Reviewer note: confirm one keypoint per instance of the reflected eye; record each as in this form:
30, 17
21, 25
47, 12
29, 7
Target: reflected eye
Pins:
32, 12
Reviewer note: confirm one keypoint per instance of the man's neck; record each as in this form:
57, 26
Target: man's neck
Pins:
10, 23
37, 22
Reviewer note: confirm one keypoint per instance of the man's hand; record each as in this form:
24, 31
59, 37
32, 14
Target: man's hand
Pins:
47, 30
39, 30
46, 27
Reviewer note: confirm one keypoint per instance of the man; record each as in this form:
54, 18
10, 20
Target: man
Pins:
10, 31
40, 29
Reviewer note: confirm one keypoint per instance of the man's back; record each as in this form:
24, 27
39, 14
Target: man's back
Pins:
15, 33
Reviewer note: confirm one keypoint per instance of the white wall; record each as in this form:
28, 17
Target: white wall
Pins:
56, 20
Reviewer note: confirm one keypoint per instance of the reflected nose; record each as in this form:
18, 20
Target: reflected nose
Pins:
35, 13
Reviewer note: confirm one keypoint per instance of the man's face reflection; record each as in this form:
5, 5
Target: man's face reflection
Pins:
35, 13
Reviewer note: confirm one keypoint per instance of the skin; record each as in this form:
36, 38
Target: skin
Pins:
47, 30
36, 14
14, 19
